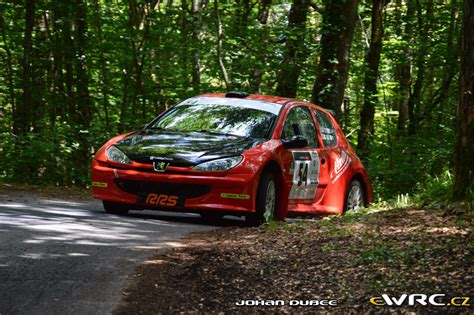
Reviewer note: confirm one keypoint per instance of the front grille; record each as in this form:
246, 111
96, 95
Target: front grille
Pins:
171, 163
150, 170
185, 190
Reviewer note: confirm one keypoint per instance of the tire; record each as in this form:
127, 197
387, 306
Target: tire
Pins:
266, 201
354, 198
115, 208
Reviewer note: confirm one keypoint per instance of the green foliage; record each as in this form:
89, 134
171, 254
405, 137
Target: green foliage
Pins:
54, 158
436, 188
139, 62
382, 254
399, 162
409, 255
409, 162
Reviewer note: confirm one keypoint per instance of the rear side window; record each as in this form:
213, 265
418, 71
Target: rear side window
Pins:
328, 132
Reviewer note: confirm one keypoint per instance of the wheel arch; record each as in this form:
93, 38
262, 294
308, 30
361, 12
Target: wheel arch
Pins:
273, 167
365, 186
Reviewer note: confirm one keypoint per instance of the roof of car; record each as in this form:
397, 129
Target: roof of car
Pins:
266, 98
256, 97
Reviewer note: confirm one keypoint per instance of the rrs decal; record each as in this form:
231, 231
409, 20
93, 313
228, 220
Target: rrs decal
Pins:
340, 166
162, 200
305, 170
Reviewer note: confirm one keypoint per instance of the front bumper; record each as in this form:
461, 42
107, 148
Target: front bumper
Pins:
227, 194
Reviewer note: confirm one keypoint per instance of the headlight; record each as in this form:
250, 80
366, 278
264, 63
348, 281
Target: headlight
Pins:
219, 165
115, 155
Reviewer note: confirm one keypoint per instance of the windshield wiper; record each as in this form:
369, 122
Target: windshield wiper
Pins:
217, 133
161, 128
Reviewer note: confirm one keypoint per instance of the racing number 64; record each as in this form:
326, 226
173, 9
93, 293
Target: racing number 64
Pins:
303, 174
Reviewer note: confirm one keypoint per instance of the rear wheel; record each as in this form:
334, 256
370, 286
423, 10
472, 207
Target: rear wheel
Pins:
266, 201
115, 208
354, 196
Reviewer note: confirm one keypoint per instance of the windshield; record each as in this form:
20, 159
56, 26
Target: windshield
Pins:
237, 119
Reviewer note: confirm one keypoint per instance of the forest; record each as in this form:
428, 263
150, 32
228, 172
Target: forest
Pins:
75, 73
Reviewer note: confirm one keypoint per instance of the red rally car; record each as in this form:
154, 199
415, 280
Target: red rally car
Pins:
217, 154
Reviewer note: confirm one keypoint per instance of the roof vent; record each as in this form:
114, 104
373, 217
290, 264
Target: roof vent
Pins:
237, 94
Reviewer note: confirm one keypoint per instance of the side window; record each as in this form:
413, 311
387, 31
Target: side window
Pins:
300, 123
328, 132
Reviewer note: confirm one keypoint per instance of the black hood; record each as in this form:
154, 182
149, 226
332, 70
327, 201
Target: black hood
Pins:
182, 148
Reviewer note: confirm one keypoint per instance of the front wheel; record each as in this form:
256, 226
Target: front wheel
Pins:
354, 196
266, 201
115, 208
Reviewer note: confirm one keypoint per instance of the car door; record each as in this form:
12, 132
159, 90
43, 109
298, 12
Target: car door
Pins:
337, 160
302, 164
329, 151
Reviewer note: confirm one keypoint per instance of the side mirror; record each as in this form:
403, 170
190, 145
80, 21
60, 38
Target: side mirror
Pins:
295, 142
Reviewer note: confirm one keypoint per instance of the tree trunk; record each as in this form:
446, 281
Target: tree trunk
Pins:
21, 117
58, 92
339, 19
38, 75
83, 100
9, 62
264, 10
295, 53
258, 70
242, 16
370, 83
103, 65
138, 27
196, 12
414, 106
440, 96
184, 40
50, 91
256, 75
69, 57
219, 46
240, 32
403, 69
134, 21
463, 186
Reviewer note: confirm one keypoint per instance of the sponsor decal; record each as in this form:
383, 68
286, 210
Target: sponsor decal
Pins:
305, 171
420, 299
312, 302
340, 166
235, 196
162, 200
99, 184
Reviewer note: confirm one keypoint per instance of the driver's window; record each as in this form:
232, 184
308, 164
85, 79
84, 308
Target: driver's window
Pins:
300, 123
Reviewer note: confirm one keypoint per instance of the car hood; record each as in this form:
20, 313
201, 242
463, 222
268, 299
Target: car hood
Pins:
181, 148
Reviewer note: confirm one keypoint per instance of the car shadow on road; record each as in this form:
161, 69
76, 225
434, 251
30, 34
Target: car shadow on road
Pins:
189, 218
168, 216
